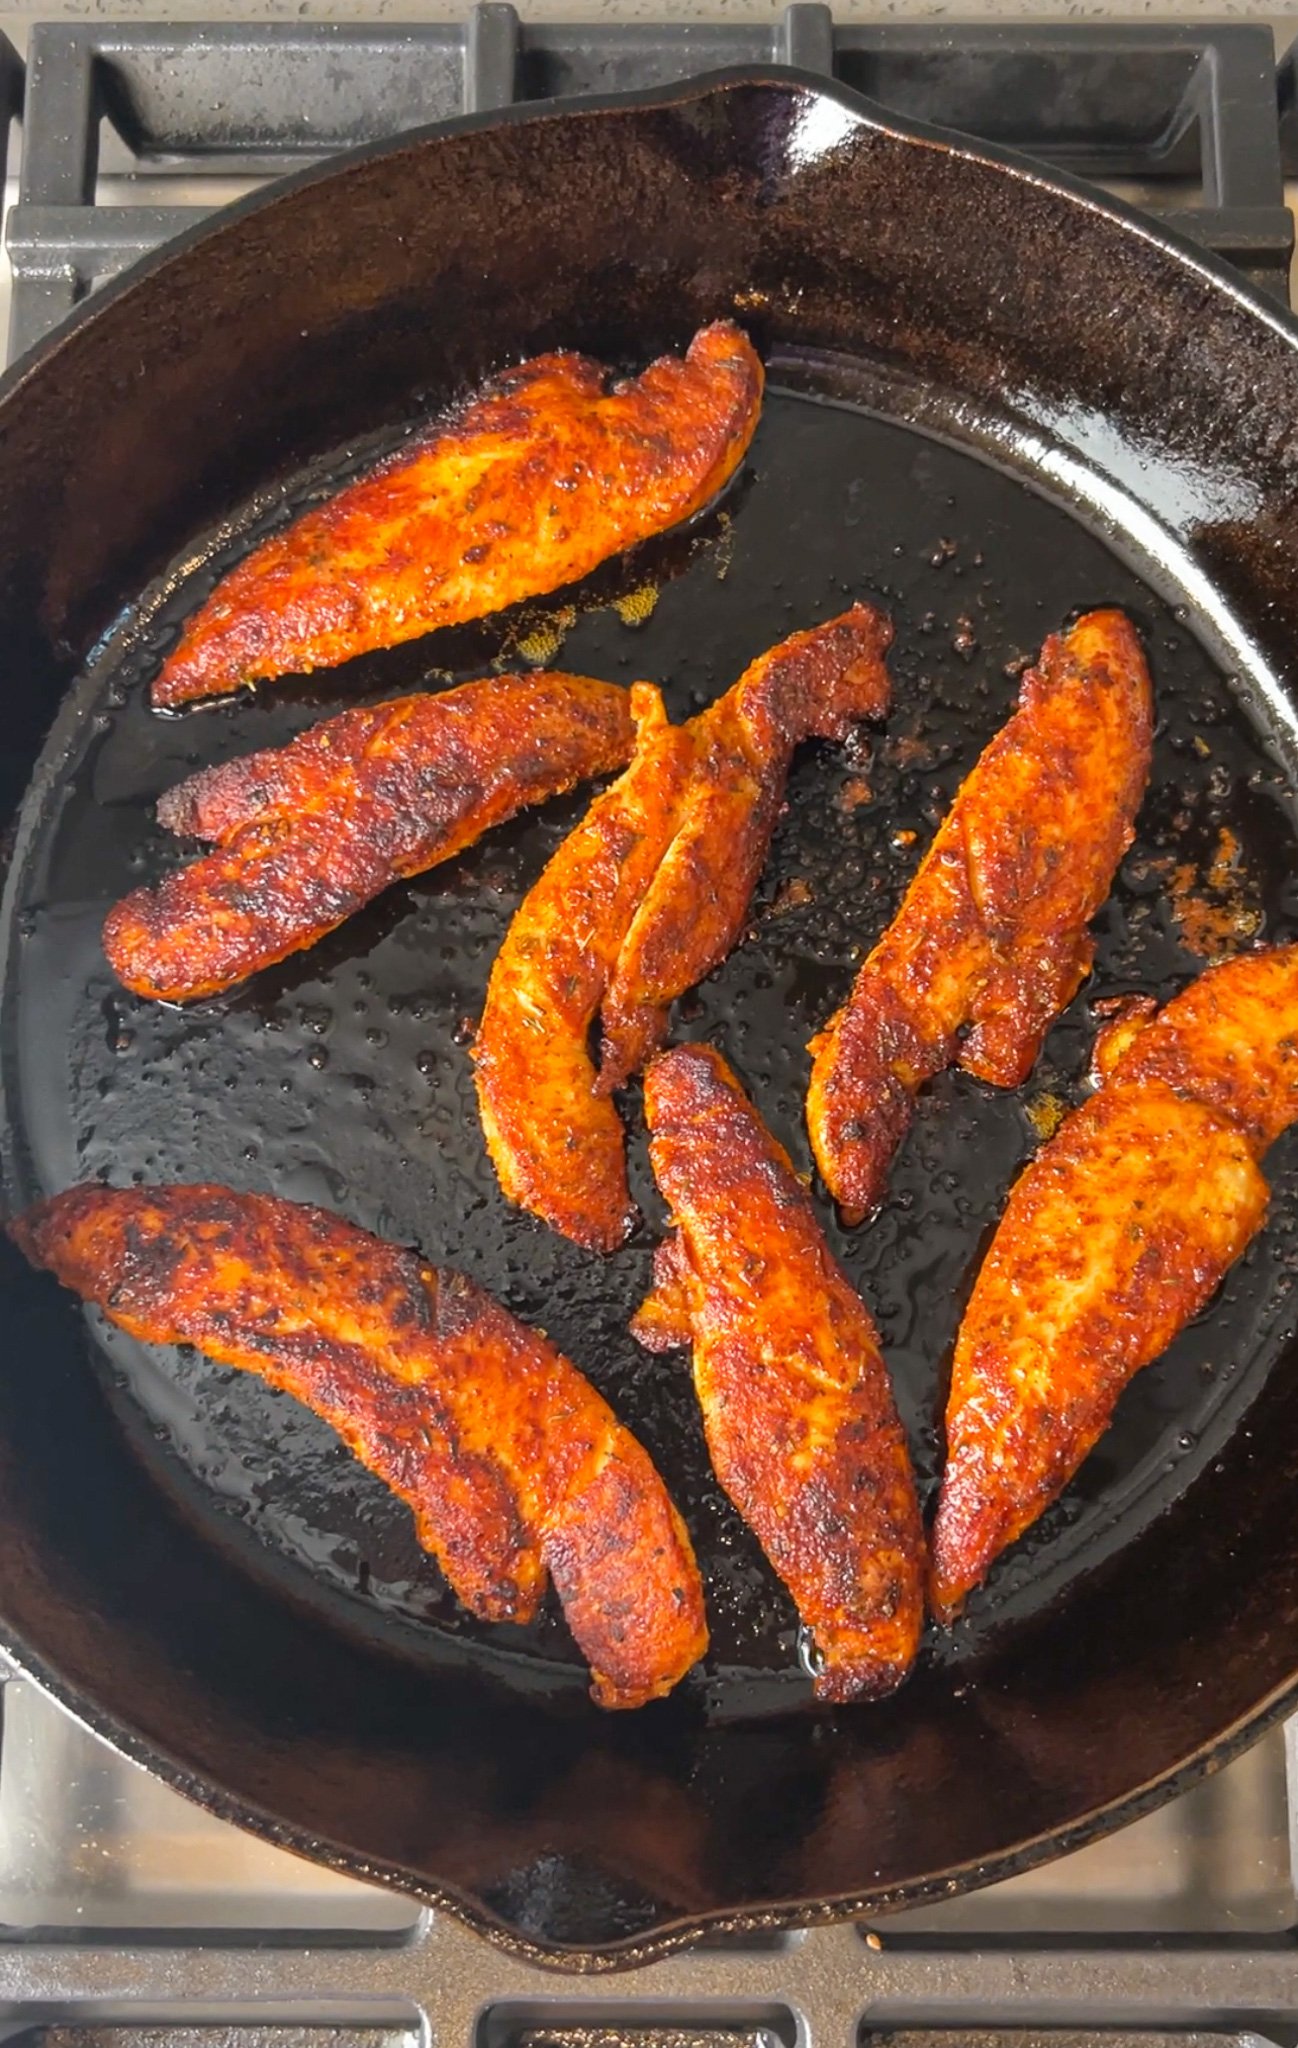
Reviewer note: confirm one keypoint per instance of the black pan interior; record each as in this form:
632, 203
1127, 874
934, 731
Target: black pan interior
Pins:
197, 1562
343, 1076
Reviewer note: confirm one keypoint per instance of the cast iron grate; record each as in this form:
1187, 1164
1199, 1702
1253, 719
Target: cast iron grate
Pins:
11, 97
1187, 116
1287, 77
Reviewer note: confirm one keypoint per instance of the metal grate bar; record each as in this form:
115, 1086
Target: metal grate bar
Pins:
491, 39
11, 95
60, 124
252, 2034
1287, 92
827, 1989
1235, 94
804, 36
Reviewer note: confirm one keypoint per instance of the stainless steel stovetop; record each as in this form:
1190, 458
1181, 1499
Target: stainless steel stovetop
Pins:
127, 1915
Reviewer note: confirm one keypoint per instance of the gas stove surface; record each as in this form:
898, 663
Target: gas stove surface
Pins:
127, 1914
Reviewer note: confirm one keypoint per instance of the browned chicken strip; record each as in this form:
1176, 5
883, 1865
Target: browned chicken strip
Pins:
992, 936
308, 833
527, 486
1120, 1230
511, 1462
814, 685
556, 1145
643, 900
797, 1406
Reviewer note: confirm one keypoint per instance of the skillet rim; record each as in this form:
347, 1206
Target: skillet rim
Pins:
1192, 255
676, 1931
681, 1930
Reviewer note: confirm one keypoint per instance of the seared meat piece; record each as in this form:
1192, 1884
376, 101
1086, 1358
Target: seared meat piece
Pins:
528, 486
992, 934
308, 833
641, 901
1119, 1231
814, 685
556, 1143
796, 1400
511, 1462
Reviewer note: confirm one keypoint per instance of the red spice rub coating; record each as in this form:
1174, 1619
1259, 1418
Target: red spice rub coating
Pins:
527, 486
511, 1462
1119, 1231
642, 900
992, 934
797, 1405
306, 834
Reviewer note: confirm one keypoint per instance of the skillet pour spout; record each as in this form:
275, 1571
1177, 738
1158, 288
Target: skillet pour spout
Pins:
973, 367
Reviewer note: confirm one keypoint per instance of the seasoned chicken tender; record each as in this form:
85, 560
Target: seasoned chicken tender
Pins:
513, 1466
555, 1142
992, 935
644, 898
1119, 1231
797, 1407
308, 833
527, 486
815, 685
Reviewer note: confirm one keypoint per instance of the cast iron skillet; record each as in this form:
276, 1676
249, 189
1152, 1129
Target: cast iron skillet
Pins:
994, 400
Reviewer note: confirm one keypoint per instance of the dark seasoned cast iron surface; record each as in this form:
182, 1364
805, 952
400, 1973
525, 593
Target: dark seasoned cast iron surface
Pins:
343, 1076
